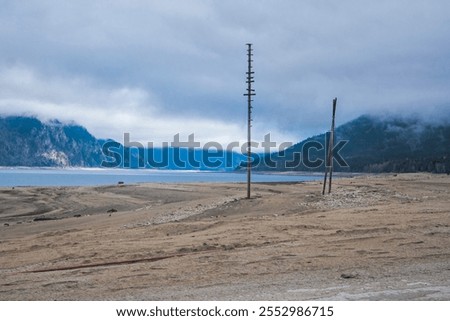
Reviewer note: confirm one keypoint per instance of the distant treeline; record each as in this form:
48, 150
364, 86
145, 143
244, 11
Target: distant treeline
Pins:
371, 144
366, 144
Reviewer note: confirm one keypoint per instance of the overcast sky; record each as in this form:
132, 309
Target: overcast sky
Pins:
158, 68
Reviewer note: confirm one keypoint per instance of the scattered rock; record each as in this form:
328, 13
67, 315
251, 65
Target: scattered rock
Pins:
77, 215
112, 210
6, 224
120, 183
350, 275
44, 218
228, 247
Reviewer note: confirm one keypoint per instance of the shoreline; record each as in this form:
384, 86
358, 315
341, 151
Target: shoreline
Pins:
31, 177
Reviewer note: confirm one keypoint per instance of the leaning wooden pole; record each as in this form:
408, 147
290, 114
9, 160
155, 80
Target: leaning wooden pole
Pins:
329, 156
249, 94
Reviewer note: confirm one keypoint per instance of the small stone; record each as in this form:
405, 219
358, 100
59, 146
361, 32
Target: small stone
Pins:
351, 275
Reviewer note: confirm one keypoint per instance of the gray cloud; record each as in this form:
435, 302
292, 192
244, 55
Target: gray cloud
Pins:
161, 67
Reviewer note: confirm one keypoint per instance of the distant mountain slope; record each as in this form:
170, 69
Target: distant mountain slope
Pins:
374, 145
377, 145
26, 141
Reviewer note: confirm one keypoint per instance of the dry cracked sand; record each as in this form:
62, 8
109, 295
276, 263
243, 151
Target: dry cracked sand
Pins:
383, 237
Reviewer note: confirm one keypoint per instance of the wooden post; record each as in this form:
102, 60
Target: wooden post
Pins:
332, 144
329, 156
249, 94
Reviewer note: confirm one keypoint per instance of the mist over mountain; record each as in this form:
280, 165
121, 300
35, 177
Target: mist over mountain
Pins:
366, 144
26, 141
373, 144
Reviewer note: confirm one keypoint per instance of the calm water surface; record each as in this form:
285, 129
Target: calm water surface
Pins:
98, 176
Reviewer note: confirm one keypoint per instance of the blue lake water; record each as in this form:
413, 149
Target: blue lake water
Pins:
91, 177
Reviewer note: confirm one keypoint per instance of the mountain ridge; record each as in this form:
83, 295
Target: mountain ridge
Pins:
371, 144
26, 141
375, 144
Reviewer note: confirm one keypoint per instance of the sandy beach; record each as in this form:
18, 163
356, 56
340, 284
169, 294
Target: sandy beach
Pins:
384, 237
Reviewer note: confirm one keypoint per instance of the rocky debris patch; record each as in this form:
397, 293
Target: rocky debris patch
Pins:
345, 197
184, 212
